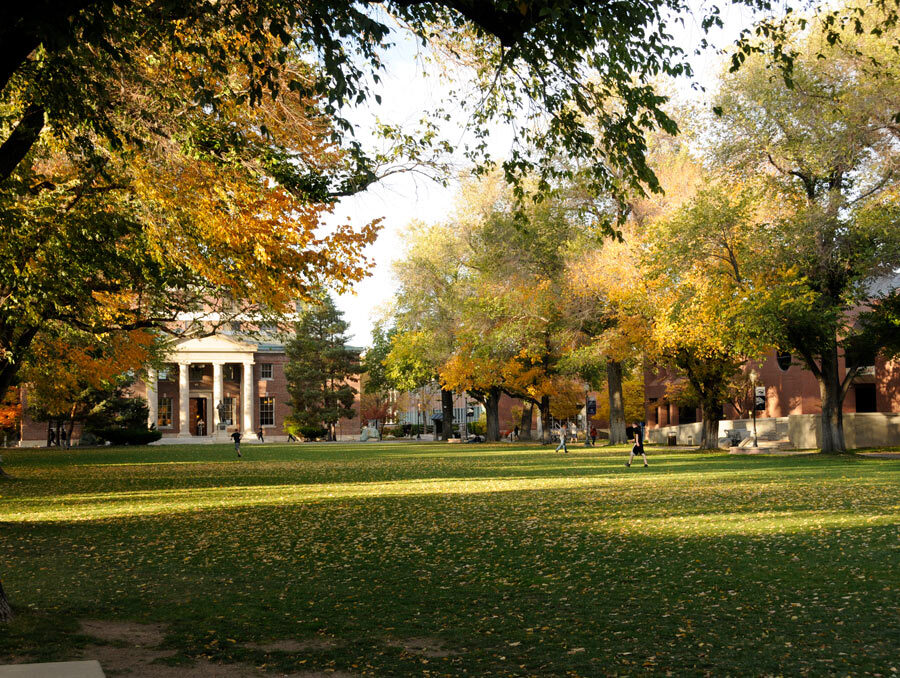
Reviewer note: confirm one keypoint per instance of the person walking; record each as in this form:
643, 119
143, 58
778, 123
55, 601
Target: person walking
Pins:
638, 447
593, 436
259, 435
516, 433
236, 437
291, 437
562, 431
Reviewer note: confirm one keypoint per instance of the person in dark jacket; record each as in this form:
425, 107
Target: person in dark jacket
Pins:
638, 447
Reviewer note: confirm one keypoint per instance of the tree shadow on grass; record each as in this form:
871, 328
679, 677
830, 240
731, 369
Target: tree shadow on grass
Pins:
505, 580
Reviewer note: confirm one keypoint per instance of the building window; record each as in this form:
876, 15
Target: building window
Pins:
229, 411
654, 411
164, 413
687, 414
231, 372
196, 372
265, 370
865, 397
164, 374
267, 411
783, 358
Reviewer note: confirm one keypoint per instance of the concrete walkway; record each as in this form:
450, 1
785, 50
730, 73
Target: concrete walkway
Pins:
89, 669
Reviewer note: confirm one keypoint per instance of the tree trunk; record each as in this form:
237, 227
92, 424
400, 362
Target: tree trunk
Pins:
5, 611
50, 433
525, 425
492, 413
446, 414
545, 419
21, 139
616, 403
830, 390
709, 438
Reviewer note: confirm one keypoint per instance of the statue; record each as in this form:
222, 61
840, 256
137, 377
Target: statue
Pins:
222, 411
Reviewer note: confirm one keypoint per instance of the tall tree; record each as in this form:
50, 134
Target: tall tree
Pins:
321, 368
826, 150
378, 400
196, 205
425, 312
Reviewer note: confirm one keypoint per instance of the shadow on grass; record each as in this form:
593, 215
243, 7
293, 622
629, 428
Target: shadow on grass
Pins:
512, 582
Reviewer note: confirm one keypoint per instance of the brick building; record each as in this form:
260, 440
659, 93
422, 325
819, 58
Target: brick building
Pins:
872, 404
246, 376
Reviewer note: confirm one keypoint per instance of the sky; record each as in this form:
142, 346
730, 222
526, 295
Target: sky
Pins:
408, 92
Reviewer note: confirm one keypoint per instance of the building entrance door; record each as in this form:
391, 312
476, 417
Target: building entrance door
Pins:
197, 415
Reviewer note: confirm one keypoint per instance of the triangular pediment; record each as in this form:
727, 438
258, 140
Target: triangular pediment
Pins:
212, 347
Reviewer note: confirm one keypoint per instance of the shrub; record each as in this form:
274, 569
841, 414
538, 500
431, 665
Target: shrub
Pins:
392, 432
312, 432
129, 436
118, 412
89, 439
479, 427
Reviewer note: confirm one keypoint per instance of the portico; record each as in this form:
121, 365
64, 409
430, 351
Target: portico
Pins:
211, 371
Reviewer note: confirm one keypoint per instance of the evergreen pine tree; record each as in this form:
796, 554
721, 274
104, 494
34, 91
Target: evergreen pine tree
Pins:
320, 367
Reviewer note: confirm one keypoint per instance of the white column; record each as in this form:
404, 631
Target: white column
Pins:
217, 395
248, 390
184, 396
152, 397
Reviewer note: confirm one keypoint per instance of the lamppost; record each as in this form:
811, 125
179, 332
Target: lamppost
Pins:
587, 414
464, 426
753, 377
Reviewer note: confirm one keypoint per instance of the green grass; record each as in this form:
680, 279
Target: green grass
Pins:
522, 561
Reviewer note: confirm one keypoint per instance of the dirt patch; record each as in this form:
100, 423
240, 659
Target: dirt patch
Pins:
130, 633
133, 654
425, 647
130, 662
291, 645
119, 660
24, 659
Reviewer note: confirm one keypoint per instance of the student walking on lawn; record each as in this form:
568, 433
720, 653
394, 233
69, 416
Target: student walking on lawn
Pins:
562, 439
638, 447
236, 437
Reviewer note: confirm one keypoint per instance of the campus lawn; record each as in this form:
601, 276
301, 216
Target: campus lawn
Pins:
424, 559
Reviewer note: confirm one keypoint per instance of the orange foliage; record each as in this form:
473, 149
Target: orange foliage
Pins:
10, 409
61, 368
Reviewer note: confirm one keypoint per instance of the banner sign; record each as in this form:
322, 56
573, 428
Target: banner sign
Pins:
760, 399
